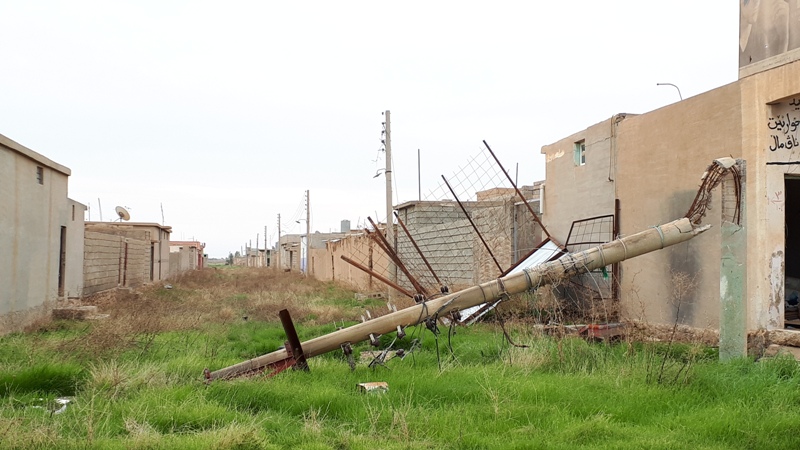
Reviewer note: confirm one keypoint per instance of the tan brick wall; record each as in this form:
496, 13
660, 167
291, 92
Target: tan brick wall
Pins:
327, 264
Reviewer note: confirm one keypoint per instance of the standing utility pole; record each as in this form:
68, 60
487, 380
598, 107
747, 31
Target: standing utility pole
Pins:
280, 248
308, 230
265, 246
389, 217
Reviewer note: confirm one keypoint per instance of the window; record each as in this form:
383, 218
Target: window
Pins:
579, 153
40, 174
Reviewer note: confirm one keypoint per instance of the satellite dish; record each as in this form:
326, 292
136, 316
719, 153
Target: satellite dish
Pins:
122, 213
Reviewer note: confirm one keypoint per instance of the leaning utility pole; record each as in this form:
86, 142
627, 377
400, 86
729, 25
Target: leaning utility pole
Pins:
567, 266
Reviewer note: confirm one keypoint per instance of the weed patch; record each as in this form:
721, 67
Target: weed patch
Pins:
52, 378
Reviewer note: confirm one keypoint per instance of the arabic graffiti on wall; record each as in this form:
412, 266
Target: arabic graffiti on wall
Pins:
783, 125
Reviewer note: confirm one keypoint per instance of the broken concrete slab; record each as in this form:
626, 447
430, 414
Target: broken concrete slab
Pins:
83, 312
74, 312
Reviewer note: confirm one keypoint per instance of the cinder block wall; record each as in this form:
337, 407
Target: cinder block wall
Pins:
450, 244
448, 247
138, 268
105, 265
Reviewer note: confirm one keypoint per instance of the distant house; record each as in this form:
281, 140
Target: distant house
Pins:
292, 250
254, 257
125, 254
41, 236
186, 255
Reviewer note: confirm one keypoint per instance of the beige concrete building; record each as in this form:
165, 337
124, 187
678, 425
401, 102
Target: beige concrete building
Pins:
186, 255
41, 235
651, 165
747, 277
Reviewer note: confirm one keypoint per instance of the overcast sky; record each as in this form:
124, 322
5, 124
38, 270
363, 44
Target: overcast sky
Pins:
226, 112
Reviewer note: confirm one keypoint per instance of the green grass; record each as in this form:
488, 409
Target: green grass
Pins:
558, 393
46, 378
487, 396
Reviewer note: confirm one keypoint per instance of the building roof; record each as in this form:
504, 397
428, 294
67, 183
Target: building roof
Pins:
426, 202
25, 151
166, 228
197, 244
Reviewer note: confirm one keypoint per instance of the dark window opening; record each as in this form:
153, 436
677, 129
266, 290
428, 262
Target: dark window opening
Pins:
62, 262
40, 174
791, 314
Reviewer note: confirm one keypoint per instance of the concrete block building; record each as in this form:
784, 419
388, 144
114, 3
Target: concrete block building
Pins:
650, 164
124, 254
186, 255
41, 236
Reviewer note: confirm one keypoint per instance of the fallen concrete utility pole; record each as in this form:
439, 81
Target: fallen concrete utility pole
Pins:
567, 266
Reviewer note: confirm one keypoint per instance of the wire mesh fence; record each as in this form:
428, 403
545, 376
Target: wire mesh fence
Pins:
472, 227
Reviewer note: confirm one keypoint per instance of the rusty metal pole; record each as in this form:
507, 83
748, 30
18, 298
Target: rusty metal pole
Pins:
294, 341
421, 255
377, 275
384, 244
522, 197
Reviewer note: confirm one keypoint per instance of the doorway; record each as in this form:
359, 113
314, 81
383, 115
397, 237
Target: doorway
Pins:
62, 262
791, 314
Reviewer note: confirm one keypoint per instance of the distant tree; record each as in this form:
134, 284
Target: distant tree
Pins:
229, 260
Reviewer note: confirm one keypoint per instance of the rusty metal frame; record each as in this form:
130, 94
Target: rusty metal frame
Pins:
604, 216
614, 232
